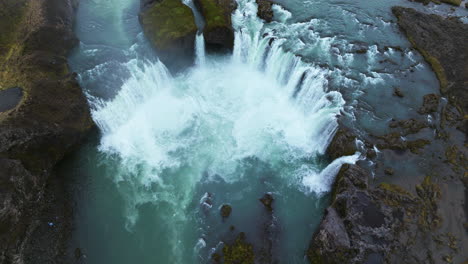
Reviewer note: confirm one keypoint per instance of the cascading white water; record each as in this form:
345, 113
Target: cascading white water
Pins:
200, 56
168, 133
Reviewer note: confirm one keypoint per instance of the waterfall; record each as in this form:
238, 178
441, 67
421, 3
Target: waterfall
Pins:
168, 134
200, 50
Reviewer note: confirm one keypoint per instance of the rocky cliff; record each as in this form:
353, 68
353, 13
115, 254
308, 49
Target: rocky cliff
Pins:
47, 114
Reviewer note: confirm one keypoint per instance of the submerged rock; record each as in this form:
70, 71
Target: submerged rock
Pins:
46, 121
398, 92
170, 27
267, 201
225, 211
218, 31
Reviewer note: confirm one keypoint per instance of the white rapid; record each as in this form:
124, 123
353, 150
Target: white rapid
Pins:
169, 133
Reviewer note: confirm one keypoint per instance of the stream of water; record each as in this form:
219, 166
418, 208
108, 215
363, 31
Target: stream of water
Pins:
172, 149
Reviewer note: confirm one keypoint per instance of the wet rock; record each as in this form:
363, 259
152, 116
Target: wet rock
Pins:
50, 117
441, 41
450, 2
225, 211
170, 27
218, 31
430, 104
395, 141
267, 201
389, 171
342, 144
238, 252
265, 10
409, 126
398, 92
367, 224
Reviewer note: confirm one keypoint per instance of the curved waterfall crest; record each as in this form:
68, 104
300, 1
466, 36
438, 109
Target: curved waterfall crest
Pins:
260, 103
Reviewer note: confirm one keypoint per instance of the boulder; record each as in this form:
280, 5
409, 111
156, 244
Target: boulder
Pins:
170, 27
265, 10
225, 211
342, 144
218, 31
267, 201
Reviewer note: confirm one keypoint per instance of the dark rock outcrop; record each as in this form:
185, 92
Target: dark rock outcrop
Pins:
267, 201
170, 27
442, 43
265, 10
450, 2
225, 211
342, 144
218, 31
49, 119
368, 224
430, 104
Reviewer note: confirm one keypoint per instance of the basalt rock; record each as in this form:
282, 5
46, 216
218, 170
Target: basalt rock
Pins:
267, 201
450, 2
342, 144
409, 126
225, 211
382, 224
442, 43
46, 120
218, 31
430, 104
265, 10
170, 27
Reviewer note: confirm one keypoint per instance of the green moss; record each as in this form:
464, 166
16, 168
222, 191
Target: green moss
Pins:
214, 14
415, 145
240, 252
434, 62
429, 194
452, 2
394, 189
167, 21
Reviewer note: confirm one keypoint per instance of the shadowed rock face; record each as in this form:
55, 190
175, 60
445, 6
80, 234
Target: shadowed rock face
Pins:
44, 121
442, 42
170, 27
218, 31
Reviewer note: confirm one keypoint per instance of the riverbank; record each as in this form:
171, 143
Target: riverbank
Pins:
40, 125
